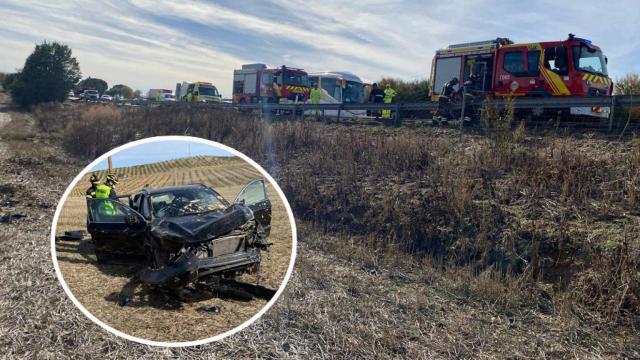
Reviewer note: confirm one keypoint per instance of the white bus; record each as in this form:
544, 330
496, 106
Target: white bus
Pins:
339, 87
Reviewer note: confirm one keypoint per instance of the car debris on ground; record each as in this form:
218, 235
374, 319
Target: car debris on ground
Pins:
7, 218
215, 309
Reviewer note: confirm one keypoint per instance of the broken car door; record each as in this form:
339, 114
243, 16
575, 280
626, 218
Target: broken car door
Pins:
254, 196
115, 228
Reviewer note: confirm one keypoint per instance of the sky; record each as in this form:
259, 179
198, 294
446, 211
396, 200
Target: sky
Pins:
156, 43
152, 152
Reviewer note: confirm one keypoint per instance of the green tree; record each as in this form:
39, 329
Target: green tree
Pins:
93, 83
137, 94
628, 85
121, 90
8, 80
48, 75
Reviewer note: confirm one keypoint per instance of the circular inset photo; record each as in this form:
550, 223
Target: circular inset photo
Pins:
173, 241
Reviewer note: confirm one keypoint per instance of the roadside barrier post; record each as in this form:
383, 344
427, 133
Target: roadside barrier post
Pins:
398, 119
611, 111
464, 91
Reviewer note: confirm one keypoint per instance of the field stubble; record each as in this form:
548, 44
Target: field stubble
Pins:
504, 245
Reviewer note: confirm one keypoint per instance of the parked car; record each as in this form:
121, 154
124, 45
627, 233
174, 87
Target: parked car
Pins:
168, 97
106, 97
184, 234
137, 101
90, 95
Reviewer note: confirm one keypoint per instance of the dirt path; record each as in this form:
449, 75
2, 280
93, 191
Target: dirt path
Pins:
5, 118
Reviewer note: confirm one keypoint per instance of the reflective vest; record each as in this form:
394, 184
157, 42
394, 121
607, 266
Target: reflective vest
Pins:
105, 207
389, 93
316, 93
189, 97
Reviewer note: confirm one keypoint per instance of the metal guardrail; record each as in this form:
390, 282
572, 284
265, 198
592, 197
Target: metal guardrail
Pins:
518, 103
522, 102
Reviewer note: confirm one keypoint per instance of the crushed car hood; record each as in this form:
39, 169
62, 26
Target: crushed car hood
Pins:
201, 227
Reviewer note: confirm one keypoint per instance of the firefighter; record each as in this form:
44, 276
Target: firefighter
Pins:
107, 191
196, 96
472, 84
377, 97
158, 96
189, 97
443, 114
316, 94
91, 192
469, 91
389, 93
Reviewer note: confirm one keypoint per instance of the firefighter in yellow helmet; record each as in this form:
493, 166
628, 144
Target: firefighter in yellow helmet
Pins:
91, 192
107, 192
389, 93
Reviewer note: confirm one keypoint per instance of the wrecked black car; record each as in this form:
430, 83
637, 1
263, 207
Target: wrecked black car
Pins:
184, 234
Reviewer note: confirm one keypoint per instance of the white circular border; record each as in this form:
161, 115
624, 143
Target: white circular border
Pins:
186, 343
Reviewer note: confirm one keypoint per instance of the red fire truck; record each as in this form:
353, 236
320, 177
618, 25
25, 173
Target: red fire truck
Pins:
255, 83
573, 67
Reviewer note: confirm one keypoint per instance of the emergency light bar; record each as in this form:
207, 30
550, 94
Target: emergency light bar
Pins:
470, 44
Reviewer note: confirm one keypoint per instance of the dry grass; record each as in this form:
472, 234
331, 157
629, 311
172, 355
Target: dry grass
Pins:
152, 315
520, 204
418, 267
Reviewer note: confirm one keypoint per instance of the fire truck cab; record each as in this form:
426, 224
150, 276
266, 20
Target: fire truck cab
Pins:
255, 83
573, 67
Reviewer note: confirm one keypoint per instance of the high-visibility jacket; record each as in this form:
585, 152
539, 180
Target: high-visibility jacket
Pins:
315, 96
158, 97
389, 93
105, 207
189, 97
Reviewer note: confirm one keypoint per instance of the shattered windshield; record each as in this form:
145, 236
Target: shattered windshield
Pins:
589, 60
188, 201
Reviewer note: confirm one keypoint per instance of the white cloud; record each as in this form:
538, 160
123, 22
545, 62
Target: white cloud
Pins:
131, 43
129, 50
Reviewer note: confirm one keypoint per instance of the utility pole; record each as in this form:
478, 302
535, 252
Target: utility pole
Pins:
110, 165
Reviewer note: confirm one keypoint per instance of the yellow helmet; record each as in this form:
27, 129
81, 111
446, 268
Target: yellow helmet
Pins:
113, 178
